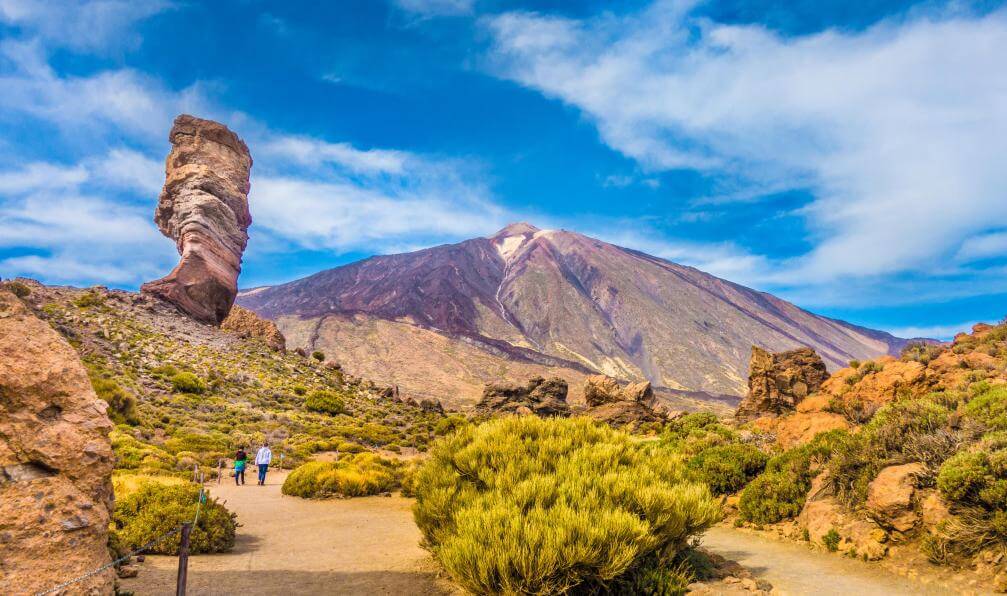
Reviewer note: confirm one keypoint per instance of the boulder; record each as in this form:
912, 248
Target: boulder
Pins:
55, 461
800, 427
431, 405
890, 497
933, 509
203, 207
822, 513
542, 397
247, 324
602, 389
777, 382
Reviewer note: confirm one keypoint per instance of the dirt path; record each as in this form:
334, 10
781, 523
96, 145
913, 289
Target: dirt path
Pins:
794, 569
287, 545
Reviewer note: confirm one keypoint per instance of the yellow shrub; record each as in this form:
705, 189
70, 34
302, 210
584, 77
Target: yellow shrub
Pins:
522, 505
355, 475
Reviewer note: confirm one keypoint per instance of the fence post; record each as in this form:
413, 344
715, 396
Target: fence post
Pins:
220, 469
183, 560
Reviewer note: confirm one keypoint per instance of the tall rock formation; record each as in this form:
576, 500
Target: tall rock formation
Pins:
204, 208
778, 382
55, 461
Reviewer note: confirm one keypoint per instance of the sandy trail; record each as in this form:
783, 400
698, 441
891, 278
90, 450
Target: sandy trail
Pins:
794, 569
288, 545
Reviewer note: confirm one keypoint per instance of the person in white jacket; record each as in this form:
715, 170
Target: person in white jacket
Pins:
262, 459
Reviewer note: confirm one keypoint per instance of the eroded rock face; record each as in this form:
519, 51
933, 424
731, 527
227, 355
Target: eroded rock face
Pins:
602, 389
542, 397
204, 209
890, 497
616, 405
246, 323
777, 382
55, 461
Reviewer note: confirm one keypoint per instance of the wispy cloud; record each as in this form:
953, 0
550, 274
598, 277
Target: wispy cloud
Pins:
435, 8
897, 130
91, 25
942, 332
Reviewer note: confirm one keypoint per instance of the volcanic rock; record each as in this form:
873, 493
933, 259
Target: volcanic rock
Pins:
602, 389
204, 208
55, 461
542, 397
777, 382
611, 403
890, 497
246, 323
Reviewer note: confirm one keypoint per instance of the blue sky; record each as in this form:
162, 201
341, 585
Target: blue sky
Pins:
848, 156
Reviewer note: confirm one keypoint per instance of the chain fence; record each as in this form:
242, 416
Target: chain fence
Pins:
199, 504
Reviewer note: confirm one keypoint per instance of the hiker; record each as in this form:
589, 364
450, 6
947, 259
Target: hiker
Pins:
240, 461
262, 459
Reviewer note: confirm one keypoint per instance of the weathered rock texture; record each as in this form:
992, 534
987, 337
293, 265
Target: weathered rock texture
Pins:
890, 497
614, 404
204, 208
542, 397
777, 382
55, 461
247, 324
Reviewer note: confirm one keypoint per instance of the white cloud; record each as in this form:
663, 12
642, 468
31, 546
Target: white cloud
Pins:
984, 247
107, 103
92, 25
312, 152
432, 8
897, 130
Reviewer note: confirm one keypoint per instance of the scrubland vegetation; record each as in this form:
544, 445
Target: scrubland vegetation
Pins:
353, 475
533, 506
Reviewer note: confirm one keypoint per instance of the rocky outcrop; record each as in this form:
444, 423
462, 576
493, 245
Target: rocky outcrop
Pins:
55, 461
204, 209
616, 405
247, 324
542, 397
602, 389
777, 382
822, 514
890, 497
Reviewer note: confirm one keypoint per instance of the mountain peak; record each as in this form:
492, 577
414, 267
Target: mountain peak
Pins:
519, 228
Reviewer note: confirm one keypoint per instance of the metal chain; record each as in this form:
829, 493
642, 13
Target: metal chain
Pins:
199, 504
112, 564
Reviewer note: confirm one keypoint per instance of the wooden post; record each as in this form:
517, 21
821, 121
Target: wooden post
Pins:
183, 560
220, 469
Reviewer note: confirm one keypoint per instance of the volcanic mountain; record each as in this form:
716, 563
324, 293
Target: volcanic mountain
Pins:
442, 321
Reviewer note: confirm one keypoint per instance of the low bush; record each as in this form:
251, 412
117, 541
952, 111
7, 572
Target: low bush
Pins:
186, 382
89, 299
523, 505
317, 355
18, 289
728, 468
121, 403
351, 476
921, 352
779, 493
694, 433
325, 402
831, 540
989, 408
154, 509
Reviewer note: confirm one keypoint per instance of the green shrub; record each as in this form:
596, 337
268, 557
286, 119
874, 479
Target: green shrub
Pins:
18, 289
728, 468
921, 352
854, 363
89, 299
186, 382
532, 506
318, 355
325, 402
831, 540
352, 476
156, 509
779, 493
694, 433
121, 403
450, 424
989, 408
300, 390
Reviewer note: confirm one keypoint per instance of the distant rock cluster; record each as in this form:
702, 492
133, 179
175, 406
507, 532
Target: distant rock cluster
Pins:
55, 461
607, 400
245, 323
203, 207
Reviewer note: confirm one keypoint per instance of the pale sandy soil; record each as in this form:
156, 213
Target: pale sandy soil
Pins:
795, 569
288, 545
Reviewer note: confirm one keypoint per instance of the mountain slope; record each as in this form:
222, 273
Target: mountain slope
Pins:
554, 300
